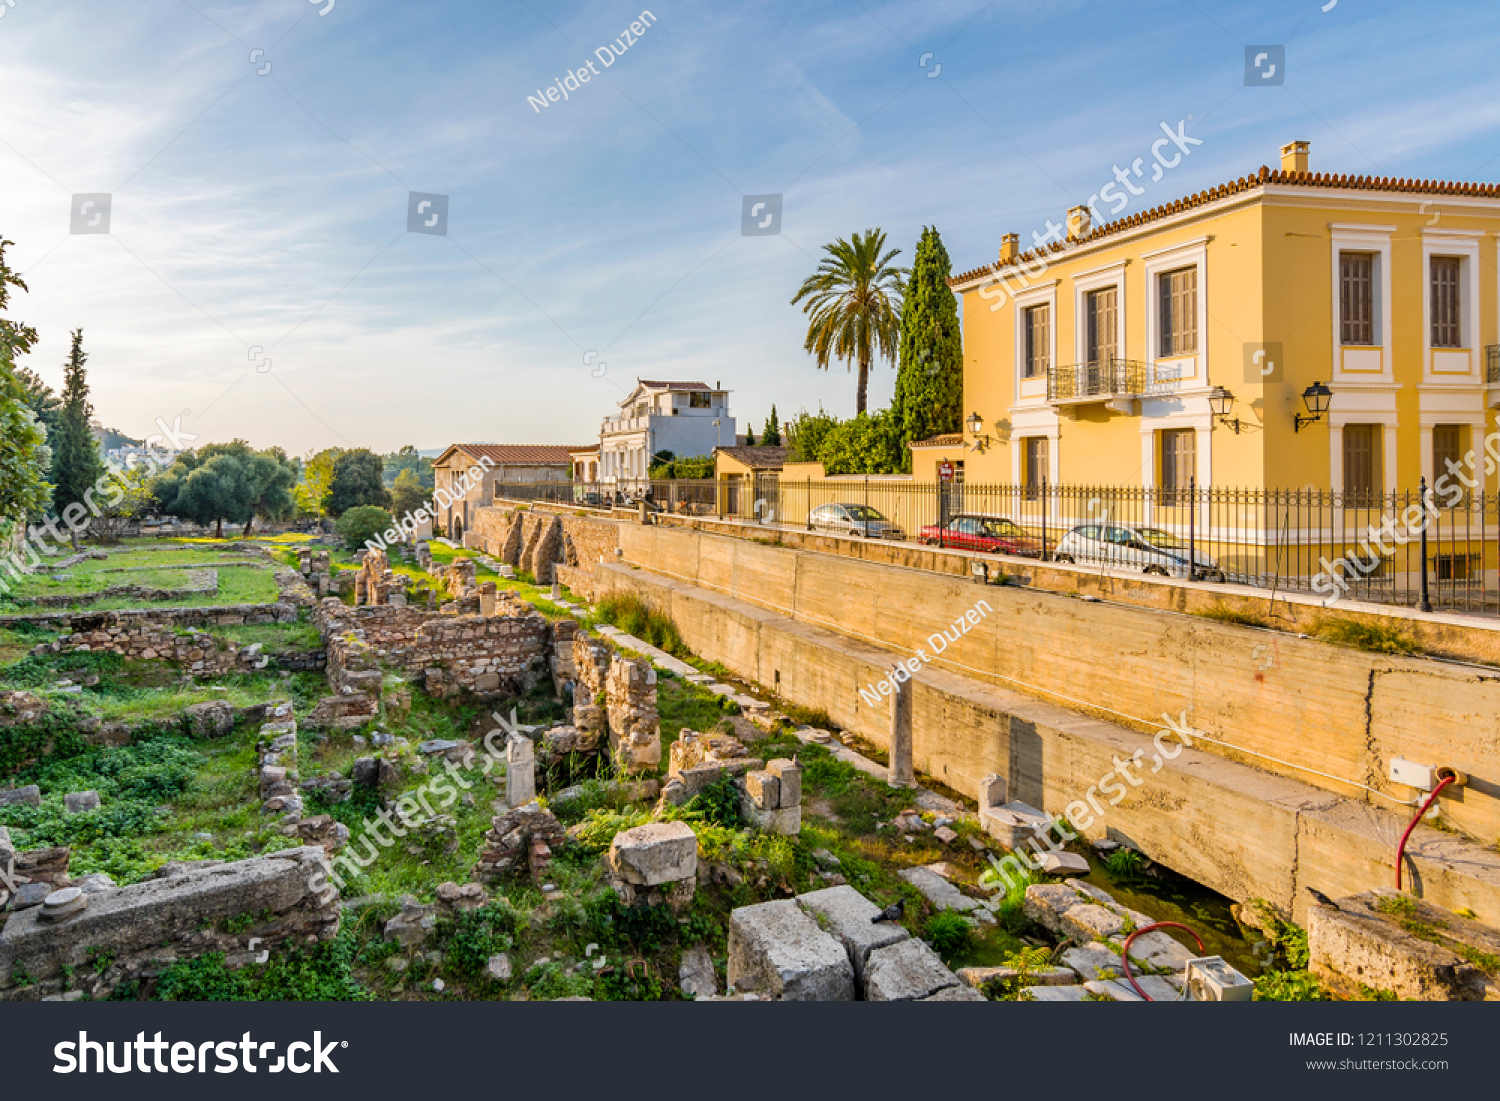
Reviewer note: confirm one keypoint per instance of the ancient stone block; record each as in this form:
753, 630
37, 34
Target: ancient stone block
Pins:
764, 789
520, 770
695, 975
847, 914
789, 773
77, 802
1385, 940
655, 854
777, 948
30, 796
214, 719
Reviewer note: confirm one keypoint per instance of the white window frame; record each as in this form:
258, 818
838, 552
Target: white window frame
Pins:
1032, 391
1376, 239
1084, 284
1464, 246
1184, 372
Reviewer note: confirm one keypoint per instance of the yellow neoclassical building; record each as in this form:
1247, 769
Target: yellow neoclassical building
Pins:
1287, 329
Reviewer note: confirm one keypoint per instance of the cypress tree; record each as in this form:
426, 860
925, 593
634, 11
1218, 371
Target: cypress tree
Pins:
76, 467
771, 435
929, 380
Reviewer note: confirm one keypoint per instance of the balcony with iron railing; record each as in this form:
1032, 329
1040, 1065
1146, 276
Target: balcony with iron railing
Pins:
1099, 380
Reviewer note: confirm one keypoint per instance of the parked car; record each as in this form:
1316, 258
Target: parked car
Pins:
850, 519
971, 531
1147, 549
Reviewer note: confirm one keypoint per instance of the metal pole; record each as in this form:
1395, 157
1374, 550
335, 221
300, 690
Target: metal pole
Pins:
1425, 604
1192, 532
1044, 517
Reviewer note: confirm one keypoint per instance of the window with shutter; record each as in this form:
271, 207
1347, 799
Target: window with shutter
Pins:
1038, 338
1179, 461
1357, 298
1099, 309
1448, 447
1362, 465
1036, 464
1445, 303
1179, 312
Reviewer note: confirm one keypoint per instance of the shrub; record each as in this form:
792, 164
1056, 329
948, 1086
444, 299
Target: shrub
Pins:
633, 617
950, 933
362, 524
719, 803
1374, 638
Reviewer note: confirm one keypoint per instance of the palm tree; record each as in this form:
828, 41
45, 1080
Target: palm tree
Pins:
854, 304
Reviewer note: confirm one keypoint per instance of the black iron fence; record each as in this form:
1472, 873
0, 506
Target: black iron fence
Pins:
1385, 547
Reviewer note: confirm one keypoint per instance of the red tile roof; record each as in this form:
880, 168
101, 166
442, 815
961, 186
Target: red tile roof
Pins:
952, 439
1265, 176
759, 457
517, 454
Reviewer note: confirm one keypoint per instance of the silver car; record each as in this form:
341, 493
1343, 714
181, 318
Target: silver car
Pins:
849, 519
1147, 549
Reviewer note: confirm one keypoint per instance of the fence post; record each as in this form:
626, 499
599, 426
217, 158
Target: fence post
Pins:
1044, 517
1425, 604
1192, 528
809, 504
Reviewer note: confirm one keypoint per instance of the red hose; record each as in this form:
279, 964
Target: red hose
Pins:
1401, 848
1125, 952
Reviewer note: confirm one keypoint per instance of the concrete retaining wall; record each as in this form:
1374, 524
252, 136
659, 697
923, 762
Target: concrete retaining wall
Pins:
1244, 832
1304, 709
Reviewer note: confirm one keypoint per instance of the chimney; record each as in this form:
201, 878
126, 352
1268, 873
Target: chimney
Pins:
1294, 157
1080, 221
1009, 247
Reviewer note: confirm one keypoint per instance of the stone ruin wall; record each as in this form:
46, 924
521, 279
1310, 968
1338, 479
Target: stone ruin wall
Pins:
106, 936
627, 714
550, 546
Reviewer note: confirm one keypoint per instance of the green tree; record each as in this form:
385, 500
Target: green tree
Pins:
127, 497
929, 379
853, 305
361, 524
408, 459
268, 479
407, 494
24, 457
806, 432
357, 480
317, 477
76, 468
207, 488
770, 436
868, 444
749, 436
41, 399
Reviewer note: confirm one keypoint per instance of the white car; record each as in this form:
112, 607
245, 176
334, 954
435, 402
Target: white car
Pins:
1149, 550
850, 519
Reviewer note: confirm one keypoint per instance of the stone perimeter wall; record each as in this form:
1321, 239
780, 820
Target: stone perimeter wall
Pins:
1242, 831
551, 546
1279, 700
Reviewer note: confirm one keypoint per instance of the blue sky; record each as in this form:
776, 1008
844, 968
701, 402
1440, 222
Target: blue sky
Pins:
269, 211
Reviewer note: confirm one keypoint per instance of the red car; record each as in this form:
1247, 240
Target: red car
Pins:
983, 533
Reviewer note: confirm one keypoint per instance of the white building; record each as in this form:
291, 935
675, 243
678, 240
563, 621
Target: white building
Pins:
685, 418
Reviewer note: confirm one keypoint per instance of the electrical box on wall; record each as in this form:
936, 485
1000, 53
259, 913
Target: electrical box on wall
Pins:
1210, 979
1413, 774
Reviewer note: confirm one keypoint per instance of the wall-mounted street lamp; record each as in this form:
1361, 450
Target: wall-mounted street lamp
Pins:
1316, 398
1221, 401
975, 424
